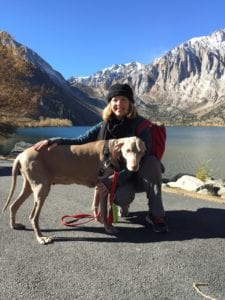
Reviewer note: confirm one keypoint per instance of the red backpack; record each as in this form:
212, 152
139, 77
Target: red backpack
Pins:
158, 134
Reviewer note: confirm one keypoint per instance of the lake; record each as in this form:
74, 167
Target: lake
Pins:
187, 147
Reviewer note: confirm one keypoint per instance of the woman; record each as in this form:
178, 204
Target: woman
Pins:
120, 119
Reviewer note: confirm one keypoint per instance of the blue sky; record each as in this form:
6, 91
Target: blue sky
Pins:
78, 38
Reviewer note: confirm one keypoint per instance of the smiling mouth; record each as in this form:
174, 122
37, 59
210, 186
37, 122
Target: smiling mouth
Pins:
119, 110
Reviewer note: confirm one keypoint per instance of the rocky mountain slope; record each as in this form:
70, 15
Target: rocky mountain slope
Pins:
30, 89
186, 85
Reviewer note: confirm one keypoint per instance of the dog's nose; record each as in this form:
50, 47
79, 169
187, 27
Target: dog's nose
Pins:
133, 168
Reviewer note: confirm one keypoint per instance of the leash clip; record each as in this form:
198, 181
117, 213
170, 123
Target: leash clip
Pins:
106, 163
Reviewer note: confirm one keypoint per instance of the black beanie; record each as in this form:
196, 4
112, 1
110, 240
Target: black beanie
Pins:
120, 90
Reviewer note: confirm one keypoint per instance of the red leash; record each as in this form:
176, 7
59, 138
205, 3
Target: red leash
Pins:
74, 219
112, 193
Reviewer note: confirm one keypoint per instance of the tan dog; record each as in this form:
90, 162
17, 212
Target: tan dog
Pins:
78, 164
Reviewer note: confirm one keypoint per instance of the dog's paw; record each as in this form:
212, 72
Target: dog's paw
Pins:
111, 229
18, 226
44, 240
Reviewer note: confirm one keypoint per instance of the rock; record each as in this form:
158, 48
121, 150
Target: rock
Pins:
210, 188
19, 147
221, 192
187, 182
192, 184
179, 175
203, 192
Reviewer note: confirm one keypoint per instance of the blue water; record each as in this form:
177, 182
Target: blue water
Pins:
187, 147
191, 147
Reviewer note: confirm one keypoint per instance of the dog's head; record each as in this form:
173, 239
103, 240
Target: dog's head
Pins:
132, 150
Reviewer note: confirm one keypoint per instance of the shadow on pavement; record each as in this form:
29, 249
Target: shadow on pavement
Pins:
205, 223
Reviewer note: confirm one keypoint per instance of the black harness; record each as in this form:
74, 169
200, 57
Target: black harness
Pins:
107, 161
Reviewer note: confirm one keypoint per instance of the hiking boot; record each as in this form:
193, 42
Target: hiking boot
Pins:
124, 211
158, 223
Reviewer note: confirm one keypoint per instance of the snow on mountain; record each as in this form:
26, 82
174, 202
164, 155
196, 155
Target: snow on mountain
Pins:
190, 77
215, 40
114, 72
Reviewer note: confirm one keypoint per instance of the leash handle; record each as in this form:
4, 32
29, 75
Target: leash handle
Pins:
112, 215
76, 218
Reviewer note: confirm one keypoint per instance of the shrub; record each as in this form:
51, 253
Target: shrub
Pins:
6, 129
48, 122
54, 122
202, 172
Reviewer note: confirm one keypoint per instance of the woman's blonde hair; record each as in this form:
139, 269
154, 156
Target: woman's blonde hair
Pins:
107, 112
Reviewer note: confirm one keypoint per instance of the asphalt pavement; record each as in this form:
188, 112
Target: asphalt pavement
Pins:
86, 263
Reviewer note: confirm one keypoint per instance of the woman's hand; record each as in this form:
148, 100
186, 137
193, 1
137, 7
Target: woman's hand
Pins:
116, 151
100, 202
43, 144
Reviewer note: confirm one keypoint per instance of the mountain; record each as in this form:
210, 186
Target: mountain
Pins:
186, 85
100, 82
30, 88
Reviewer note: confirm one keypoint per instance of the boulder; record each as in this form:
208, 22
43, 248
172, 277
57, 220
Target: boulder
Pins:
19, 147
192, 184
187, 182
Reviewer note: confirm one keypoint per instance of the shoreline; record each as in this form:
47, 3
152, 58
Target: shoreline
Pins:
195, 195
67, 123
5, 158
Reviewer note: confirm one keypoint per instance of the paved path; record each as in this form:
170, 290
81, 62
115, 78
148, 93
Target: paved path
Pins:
86, 263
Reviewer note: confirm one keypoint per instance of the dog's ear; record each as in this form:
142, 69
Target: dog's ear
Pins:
140, 146
119, 144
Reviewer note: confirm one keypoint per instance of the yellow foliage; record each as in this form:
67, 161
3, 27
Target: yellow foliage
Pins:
202, 172
53, 122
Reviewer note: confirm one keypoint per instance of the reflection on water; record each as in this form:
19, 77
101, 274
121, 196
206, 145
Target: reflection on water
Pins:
32, 135
187, 147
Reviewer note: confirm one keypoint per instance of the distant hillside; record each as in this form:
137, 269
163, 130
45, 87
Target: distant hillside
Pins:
30, 89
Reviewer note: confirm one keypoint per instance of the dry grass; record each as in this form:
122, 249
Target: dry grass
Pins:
48, 122
9, 125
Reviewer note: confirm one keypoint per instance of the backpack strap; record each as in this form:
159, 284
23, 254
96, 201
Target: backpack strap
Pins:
102, 131
143, 125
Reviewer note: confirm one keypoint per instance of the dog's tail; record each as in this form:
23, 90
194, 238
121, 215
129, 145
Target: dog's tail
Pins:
15, 168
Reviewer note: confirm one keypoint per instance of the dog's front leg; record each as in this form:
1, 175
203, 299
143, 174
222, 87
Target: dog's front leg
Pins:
40, 194
95, 205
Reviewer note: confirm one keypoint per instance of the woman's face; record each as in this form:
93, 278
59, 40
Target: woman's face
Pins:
120, 106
